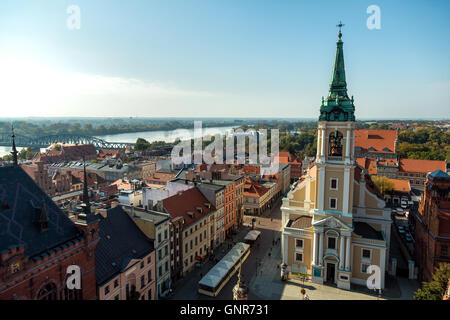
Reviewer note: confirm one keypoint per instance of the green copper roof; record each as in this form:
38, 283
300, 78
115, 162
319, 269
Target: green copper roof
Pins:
338, 106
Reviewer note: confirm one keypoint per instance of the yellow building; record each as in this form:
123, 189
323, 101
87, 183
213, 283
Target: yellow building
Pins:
335, 224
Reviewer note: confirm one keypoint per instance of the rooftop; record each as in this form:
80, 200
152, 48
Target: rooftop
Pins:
121, 241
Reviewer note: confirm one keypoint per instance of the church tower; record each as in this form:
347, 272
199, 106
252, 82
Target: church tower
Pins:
336, 227
335, 164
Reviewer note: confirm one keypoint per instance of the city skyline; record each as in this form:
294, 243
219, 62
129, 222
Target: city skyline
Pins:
226, 60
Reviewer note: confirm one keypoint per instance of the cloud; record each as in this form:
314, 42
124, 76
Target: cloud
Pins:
33, 89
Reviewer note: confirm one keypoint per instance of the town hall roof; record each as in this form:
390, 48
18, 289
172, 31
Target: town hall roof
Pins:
21, 205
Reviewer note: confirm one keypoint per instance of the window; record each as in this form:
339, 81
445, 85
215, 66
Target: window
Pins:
200, 237
204, 233
149, 276
364, 267
166, 250
142, 281
116, 297
366, 253
200, 251
167, 266
196, 241
116, 283
150, 294
298, 257
149, 259
191, 244
106, 289
160, 254
185, 248
165, 234
159, 237
333, 203
186, 234
191, 258
331, 243
444, 252
334, 184
142, 264
299, 243
160, 271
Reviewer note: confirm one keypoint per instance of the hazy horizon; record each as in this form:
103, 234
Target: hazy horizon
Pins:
226, 59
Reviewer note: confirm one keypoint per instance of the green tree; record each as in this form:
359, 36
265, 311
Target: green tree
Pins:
383, 184
141, 144
435, 289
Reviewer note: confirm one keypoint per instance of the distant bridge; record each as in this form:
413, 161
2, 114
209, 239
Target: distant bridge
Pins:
46, 141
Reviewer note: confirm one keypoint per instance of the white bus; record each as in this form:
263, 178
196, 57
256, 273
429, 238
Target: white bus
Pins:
221, 273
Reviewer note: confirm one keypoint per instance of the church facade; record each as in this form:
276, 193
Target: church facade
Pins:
335, 223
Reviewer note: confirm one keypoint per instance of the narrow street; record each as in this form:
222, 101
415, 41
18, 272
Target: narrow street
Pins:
269, 223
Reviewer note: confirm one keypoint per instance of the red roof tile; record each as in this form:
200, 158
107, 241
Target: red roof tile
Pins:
186, 201
376, 140
423, 166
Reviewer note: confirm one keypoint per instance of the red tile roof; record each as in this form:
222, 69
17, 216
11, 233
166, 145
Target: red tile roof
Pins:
253, 188
422, 166
400, 185
376, 140
369, 164
186, 201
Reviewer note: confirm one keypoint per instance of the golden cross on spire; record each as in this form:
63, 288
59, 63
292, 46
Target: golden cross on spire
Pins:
340, 25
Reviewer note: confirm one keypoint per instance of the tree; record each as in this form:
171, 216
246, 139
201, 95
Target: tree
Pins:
383, 184
141, 144
435, 289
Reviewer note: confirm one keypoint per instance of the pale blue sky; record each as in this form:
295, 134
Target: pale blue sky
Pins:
227, 58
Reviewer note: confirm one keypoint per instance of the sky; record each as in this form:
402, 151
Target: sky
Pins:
221, 58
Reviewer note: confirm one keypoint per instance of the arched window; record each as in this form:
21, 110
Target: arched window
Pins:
48, 292
335, 142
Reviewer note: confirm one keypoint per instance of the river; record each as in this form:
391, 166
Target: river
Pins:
150, 136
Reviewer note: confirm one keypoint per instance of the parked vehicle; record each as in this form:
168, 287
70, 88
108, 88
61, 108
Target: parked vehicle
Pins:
400, 211
404, 204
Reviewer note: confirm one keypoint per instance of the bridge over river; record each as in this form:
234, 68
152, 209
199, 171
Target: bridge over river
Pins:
46, 141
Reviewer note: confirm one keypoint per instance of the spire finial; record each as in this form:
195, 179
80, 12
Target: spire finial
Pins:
340, 25
14, 150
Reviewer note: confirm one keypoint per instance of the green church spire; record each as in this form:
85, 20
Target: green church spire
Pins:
338, 106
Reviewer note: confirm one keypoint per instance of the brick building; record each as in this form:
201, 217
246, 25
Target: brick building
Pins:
432, 225
38, 243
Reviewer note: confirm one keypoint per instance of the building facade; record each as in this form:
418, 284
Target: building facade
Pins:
156, 226
125, 263
432, 225
39, 243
